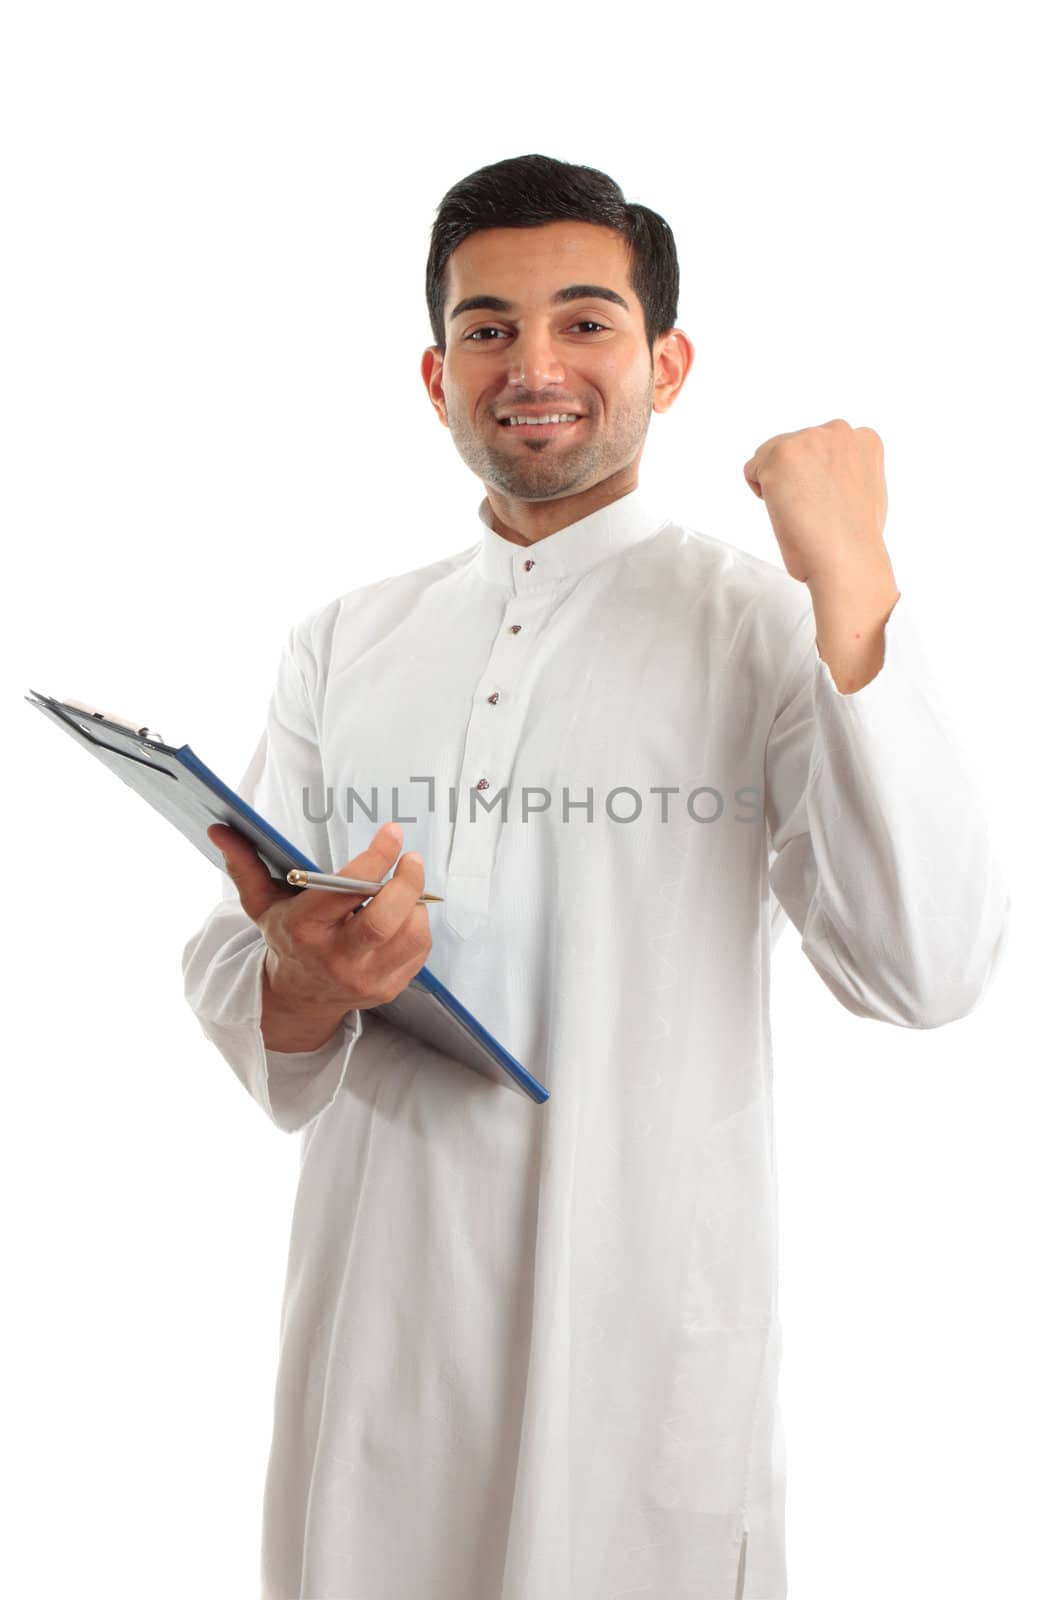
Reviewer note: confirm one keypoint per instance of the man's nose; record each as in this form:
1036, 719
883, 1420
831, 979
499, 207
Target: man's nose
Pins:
535, 362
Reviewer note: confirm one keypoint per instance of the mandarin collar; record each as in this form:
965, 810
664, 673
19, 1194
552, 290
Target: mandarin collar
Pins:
568, 552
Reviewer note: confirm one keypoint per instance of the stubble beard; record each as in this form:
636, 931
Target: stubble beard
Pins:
552, 468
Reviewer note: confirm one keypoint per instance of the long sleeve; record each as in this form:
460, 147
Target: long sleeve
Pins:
881, 854
223, 962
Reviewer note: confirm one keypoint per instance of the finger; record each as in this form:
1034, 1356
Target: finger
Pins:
399, 978
394, 962
326, 906
411, 943
256, 886
386, 915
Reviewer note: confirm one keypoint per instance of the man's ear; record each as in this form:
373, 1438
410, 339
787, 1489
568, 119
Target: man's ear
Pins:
432, 368
673, 359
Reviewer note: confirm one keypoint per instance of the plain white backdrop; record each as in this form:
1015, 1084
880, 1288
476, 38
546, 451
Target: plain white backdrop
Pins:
216, 220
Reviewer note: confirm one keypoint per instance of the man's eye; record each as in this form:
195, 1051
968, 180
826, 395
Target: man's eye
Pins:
586, 323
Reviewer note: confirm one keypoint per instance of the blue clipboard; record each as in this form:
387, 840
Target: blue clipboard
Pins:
180, 786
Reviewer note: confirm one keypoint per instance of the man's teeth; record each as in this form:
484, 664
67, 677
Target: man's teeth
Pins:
562, 416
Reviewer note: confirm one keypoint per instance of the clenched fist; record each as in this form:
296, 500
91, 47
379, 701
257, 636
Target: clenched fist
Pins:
824, 489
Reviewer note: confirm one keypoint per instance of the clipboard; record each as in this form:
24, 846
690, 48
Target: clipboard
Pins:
183, 789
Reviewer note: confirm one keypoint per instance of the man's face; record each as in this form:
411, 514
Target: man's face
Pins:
586, 354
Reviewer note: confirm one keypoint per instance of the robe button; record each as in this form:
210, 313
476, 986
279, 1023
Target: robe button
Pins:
493, 698
516, 627
529, 565
482, 783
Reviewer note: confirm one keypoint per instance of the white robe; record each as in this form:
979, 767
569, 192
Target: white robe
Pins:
530, 1352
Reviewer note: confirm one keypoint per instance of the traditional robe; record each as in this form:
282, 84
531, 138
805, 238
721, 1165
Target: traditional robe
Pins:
530, 1352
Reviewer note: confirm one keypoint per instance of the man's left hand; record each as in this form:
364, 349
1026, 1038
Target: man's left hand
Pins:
824, 489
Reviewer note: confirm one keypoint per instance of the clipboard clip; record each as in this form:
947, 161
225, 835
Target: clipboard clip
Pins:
112, 716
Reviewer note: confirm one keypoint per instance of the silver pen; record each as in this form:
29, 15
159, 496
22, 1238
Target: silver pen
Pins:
302, 879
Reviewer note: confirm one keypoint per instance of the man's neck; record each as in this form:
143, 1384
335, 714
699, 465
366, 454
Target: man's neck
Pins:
526, 522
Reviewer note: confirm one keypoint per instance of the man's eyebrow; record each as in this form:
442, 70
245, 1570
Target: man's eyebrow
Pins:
574, 291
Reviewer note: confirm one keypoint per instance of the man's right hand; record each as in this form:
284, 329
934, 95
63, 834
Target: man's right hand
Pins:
322, 961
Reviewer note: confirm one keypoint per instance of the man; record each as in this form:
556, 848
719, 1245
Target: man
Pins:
531, 1352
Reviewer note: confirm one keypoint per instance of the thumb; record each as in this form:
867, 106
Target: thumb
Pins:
256, 887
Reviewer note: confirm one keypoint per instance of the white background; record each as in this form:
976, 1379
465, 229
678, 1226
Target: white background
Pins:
216, 220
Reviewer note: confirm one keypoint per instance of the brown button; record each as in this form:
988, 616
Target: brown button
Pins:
493, 698
482, 783
516, 627
529, 565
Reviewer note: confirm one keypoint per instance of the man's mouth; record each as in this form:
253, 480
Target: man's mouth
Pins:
557, 422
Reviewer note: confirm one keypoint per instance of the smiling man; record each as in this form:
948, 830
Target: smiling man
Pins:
532, 1352
555, 428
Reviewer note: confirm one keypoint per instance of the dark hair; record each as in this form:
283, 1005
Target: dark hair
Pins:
528, 191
